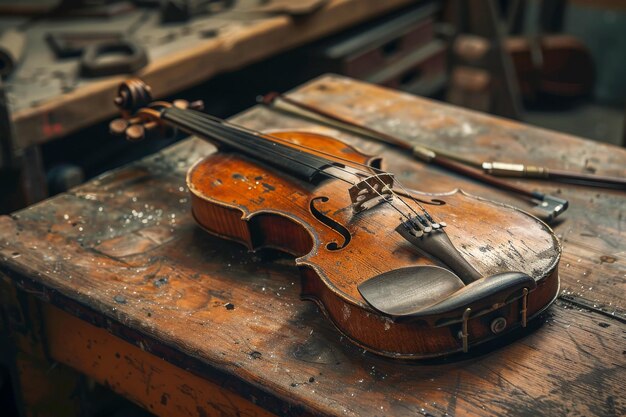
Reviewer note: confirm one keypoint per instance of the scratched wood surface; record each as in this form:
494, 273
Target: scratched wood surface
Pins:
125, 248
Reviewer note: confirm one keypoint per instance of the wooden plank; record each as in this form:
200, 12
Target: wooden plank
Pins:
123, 252
42, 387
156, 385
559, 368
248, 42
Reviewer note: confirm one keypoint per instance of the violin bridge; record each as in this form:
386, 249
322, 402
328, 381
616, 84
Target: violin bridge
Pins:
371, 191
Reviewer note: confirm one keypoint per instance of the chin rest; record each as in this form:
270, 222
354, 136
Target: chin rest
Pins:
414, 293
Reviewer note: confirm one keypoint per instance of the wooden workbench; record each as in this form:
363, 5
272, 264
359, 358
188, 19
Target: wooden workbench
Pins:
132, 293
49, 99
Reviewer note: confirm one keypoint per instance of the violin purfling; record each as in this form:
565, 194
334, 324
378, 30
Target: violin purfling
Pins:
401, 273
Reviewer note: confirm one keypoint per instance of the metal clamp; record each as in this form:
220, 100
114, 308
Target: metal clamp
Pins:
129, 57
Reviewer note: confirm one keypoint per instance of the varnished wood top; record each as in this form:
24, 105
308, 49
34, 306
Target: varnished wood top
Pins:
124, 252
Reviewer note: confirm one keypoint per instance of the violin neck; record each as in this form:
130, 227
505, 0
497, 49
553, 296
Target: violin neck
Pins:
296, 162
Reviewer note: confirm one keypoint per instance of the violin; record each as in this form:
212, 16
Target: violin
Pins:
400, 273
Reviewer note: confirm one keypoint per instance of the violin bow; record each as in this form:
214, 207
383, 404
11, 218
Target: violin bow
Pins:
546, 206
505, 169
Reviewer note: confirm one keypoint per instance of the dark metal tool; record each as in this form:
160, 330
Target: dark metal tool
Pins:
118, 57
545, 206
73, 44
289, 7
101, 53
183, 10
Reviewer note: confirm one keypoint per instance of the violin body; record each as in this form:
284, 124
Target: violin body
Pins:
400, 273
336, 249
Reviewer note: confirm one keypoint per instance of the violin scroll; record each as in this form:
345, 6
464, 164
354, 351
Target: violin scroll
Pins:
141, 116
132, 95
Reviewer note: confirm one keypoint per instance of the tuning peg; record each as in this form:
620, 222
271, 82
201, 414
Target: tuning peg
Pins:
137, 132
118, 127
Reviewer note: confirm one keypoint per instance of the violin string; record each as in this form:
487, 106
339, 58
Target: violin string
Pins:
198, 121
338, 122
201, 118
298, 146
350, 163
353, 164
194, 124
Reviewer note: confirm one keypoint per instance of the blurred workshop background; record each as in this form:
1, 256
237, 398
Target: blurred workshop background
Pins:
558, 64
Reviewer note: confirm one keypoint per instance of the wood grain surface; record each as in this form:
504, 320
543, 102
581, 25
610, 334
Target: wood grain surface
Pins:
123, 252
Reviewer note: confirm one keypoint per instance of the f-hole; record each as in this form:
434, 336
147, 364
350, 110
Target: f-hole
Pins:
337, 227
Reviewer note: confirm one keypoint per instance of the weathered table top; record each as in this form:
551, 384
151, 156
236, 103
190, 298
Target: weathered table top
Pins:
49, 99
125, 247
